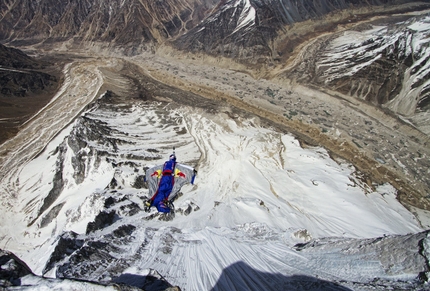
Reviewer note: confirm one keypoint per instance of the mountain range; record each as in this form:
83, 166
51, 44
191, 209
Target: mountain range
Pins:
308, 123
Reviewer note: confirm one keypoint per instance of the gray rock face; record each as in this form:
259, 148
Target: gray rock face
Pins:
11, 269
14, 273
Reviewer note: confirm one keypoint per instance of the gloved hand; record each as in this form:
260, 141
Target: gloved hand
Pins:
169, 204
148, 204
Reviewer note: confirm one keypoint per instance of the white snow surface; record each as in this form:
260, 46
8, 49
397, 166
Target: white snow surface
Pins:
257, 190
247, 15
243, 8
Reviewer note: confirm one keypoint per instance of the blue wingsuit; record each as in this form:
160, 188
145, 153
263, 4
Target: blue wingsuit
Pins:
165, 181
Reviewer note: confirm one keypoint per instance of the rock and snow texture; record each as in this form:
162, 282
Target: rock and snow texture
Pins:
265, 213
16, 275
384, 62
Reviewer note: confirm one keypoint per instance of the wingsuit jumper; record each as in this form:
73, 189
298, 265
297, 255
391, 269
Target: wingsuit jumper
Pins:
165, 181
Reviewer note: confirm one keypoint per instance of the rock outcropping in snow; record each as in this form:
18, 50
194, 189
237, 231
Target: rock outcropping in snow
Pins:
16, 275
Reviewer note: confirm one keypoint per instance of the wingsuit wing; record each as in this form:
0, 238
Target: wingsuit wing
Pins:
153, 176
183, 175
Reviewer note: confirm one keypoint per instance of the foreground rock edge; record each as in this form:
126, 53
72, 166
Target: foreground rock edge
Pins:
14, 272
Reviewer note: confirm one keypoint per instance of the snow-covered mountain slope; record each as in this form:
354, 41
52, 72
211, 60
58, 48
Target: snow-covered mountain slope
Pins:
259, 198
262, 32
385, 62
267, 212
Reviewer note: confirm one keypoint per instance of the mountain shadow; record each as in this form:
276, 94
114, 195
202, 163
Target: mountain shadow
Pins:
242, 277
151, 282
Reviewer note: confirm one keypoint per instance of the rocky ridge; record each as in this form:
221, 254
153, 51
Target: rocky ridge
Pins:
135, 26
14, 273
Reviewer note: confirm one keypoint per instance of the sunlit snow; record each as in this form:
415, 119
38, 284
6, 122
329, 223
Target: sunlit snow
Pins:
247, 15
257, 190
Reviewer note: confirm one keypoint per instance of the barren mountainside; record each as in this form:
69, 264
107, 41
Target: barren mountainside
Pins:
26, 85
213, 26
131, 23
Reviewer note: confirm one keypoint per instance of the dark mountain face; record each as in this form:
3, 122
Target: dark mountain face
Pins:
23, 76
26, 85
14, 58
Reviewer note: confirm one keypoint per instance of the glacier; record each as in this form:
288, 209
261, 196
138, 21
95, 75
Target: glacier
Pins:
265, 213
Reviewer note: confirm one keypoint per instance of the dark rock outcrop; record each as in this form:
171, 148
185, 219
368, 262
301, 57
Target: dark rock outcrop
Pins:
26, 85
21, 75
11, 269
102, 220
66, 245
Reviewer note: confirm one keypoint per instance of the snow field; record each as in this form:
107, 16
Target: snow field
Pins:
257, 190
